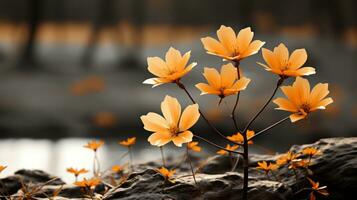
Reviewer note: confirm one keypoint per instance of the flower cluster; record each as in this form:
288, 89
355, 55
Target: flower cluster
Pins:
174, 126
297, 161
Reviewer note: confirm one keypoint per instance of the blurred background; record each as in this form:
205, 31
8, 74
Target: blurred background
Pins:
73, 70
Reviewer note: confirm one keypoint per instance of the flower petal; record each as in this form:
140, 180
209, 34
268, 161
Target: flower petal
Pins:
297, 58
207, 89
189, 117
244, 38
241, 84
252, 49
213, 46
322, 104
183, 137
270, 58
305, 71
159, 138
184, 61
157, 66
171, 110
291, 93
175, 76
156, 81
296, 117
227, 37
213, 77
285, 104
282, 54
319, 92
173, 59
154, 122
302, 88
228, 75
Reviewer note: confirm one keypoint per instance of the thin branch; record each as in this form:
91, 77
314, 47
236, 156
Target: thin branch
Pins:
233, 115
182, 86
162, 156
217, 146
189, 161
269, 127
279, 83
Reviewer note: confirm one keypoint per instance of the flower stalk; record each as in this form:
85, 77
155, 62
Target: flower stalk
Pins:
190, 163
162, 156
182, 86
233, 115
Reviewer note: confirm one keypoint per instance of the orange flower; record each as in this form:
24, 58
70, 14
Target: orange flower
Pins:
315, 186
173, 126
166, 173
238, 137
287, 158
85, 183
279, 62
222, 84
168, 71
2, 168
231, 46
228, 147
76, 172
194, 146
298, 163
128, 142
94, 145
267, 167
301, 101
117, 168
310, 151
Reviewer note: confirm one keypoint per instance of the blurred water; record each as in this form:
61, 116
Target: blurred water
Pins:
55, 156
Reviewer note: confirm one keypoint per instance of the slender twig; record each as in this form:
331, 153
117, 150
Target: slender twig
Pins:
131, 158
96, 165
182, 86
235, 164
233, 115
279, 83
245, 165
269, 127
189, 161
303, 190
162, 156
217, 146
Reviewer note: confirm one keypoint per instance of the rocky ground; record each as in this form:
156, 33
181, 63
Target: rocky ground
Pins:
336, 168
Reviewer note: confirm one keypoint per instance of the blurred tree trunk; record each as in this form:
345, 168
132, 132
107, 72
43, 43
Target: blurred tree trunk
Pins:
102, 11
136, 16
27, 59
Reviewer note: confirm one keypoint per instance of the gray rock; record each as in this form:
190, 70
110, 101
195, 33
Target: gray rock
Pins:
151, 185
336, 168
10, 185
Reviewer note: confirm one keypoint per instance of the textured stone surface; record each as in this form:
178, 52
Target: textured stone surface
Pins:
151, 185
336, 168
